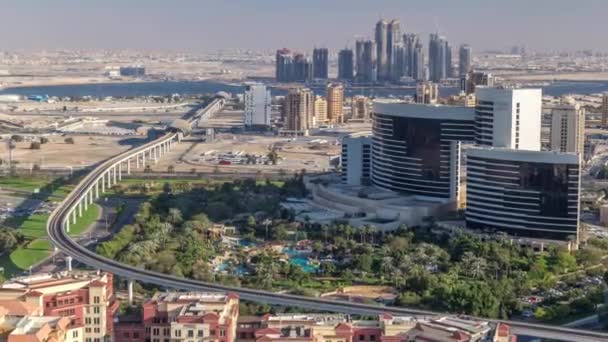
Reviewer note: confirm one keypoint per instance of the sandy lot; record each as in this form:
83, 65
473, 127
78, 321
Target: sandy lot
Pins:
56, 154
575, 76
294, 155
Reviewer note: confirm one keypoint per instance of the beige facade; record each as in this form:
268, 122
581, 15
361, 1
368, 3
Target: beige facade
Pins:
360, 108
320, 117
464, 100
299, 110
427, 92
567, 126
335, 103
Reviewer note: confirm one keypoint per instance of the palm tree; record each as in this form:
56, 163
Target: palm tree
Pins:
372, 230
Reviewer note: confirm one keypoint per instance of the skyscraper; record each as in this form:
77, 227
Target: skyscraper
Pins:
302, 68
394, 43
320, 111
410, 41
472, 79
345, 65
508, 118
284, 65
523, 193
366, 62
464, 59
292, 67
381, 48
320, 63
360, 107
335, 103
418, 68
567, 126
440, 58
257, 105
299, 110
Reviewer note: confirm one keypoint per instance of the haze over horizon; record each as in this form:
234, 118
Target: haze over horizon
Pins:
194, 26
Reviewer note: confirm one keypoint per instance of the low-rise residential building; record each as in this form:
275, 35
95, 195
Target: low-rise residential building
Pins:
183, 316
387, 328
85, 298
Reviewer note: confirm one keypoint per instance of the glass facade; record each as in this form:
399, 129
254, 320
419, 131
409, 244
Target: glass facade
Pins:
535, 199
417, 155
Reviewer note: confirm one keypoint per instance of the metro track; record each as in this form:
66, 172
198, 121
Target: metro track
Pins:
63, 242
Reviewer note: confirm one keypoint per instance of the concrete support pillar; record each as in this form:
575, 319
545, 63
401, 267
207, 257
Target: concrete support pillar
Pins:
90, 193
103, 183
66, 224
114, 172
109, 178
143, 159
130, 290
97, 189
80, 208
120, 171
74, 216
85, 199
129, 166
137, 161
68, 263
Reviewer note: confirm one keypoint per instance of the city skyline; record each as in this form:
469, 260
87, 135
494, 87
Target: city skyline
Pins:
191, 26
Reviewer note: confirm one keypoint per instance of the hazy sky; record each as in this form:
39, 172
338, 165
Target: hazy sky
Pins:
207, 25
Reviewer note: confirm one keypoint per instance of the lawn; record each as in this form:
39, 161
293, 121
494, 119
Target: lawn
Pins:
89, 216
31, 254
24, 183
48, 186
34, 226
39, 248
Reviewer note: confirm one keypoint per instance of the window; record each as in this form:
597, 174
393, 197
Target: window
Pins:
167, 332
88, 310
135, 334
75, 333
96, 300
155, 331
96, 320
96, 310
222, 332
178, 333
96, 330
87, 330
190, 333
212, 332
361, 337
87, 340
372, 337
200, 333
126, 334
71, 300
96, 340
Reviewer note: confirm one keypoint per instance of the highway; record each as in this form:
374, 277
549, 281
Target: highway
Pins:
84, 192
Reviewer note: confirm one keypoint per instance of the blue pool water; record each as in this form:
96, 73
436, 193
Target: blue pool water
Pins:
299, 259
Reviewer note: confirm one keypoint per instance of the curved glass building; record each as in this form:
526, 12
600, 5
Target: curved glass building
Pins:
526, 193
416, 147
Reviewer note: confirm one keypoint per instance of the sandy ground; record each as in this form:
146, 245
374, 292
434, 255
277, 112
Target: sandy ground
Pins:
575, 76
56, 154
294, 156
33, 81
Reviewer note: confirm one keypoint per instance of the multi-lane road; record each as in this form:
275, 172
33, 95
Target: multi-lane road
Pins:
67, 209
